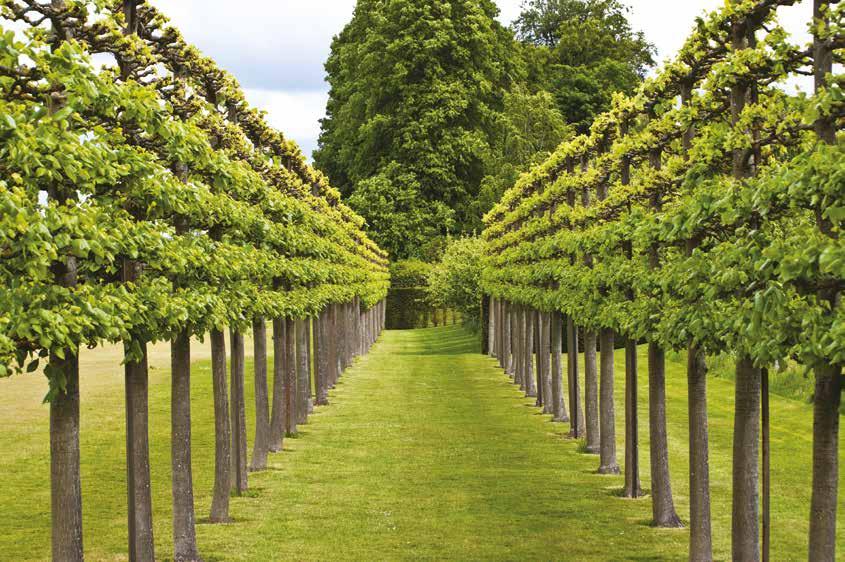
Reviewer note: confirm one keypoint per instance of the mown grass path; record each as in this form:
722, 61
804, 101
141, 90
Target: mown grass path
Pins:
426, 452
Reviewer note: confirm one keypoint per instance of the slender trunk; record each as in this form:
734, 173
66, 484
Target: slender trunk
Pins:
239, 466
607, 411
261, 446
746, 529
662, 503
577, 423
321, 365
632, 487
558, 398
823, 504
277, 417
766, 460
290, 377
544, 364
701, 549
303, 371
528, 352
65, 481
591, 394
518, 349
141, 543
488, 325
535, 350
184, 517
222, 431
309, 392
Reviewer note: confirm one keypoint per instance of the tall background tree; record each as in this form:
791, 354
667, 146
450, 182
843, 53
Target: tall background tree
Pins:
435, 108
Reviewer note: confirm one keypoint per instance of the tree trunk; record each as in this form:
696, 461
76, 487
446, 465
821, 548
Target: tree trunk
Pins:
632, 445
662, 503
544, 364
558, 398
701, 549
239, 466
508, 339
184, 517
577, 423
309, 392
65, 481
591, 394
277, 417
141, 543
222, 431
823, 504
261, 446
528, 352
535, 350
290, 377
303, 371
487, 326
607, 410
745, 529
321, 365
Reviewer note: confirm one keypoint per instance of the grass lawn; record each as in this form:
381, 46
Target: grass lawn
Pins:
426, 452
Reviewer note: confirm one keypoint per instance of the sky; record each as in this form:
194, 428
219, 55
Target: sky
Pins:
276, 48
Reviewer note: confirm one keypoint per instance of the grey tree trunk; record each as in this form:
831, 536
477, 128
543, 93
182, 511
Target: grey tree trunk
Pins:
607, 410
141, 543
823, 503
303, 370
184, 516
528, 352
544, 361
309, 391
558, 398
65, 480
662, 503
591, 394
277, 417
701, 549
290, 377
239, 463
261, 446
321, 364
745, 528
577, 422
632, 487
222, 431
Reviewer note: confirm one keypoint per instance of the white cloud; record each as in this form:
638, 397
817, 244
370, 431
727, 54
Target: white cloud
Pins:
296, 114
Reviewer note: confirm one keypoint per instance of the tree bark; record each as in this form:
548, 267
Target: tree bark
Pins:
701, 549
302, 371
544, 364
222, 431
528, 352
239, 463
607, 410
309, 391
632, 487
591, 394
535, 350
277, 417
65, 481
261, 446
823, 503
662, 503
745, 528
321, 365
558, 398
141, 543
184, 517
290, 377
577, 423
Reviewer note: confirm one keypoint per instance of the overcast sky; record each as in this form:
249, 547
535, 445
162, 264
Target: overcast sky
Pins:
276, 48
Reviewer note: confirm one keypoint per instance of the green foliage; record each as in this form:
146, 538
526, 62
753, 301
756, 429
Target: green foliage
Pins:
415, 89
409, 273
455, 282
634, 229
400, 219
223, 216
582, 52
